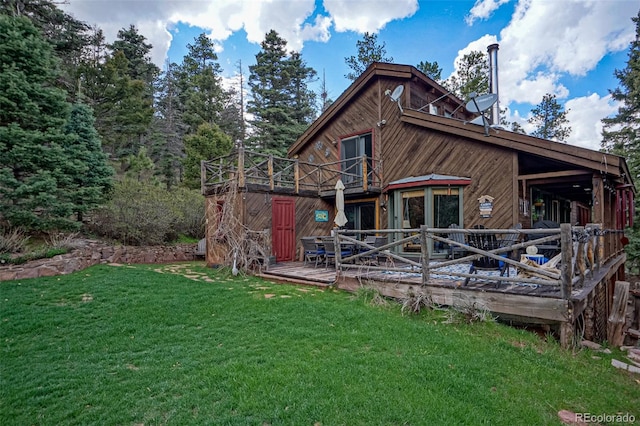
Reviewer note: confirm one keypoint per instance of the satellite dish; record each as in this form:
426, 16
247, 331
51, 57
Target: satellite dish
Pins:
481, 103
395, 95
479, 120
397, 92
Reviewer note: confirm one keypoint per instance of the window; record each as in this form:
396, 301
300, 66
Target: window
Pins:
436, 207
413, 209
361, 216
351, 152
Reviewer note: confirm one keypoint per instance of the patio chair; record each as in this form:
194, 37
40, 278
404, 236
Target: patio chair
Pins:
312, 250
458, 237
486, 242
330, 251
374, 241
551, 249
511, 239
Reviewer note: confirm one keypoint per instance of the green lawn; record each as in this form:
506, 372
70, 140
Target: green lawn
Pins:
128, 345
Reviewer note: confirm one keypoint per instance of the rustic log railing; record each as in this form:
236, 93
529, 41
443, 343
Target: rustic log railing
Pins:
580, 255
248, 167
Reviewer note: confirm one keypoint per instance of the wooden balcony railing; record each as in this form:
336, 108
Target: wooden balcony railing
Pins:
582, 251
248, 167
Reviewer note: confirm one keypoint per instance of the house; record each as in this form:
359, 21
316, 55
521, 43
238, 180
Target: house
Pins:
411, 154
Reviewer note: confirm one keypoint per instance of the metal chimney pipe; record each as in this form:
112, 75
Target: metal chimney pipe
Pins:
493, 81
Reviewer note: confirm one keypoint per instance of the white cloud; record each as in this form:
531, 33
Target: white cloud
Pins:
368, 16
483, 9
585, 119
546, 41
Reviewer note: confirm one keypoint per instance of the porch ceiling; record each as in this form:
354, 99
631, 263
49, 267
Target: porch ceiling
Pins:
556, 177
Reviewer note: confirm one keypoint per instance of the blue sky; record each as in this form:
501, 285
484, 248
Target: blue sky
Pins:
566, 47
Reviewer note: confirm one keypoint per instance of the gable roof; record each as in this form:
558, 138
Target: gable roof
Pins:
582, 157
374, 71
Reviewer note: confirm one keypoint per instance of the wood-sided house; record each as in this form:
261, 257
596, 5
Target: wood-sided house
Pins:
409, 156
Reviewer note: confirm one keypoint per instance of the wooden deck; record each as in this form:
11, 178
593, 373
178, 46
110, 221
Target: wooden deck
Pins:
510, 301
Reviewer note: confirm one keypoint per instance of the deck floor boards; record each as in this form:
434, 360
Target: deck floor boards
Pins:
325, 276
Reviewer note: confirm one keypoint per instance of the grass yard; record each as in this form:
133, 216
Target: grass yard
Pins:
184, 344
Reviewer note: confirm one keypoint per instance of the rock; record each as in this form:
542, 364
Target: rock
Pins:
591, 345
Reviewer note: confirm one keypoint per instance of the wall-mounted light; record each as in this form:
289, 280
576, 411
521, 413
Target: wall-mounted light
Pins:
381, 123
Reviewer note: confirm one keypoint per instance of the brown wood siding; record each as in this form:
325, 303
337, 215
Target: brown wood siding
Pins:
258, 215
416, 151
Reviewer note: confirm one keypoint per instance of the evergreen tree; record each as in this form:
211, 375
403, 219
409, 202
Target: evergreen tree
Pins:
123, 107
208, 142
369, 51
92, 177
201, 93
138, 54
430, 69
67, 35
281, 102
550, 119
33, 176
621, 132
472, 75
169, 128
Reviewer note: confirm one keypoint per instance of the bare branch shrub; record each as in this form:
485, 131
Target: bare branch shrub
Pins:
12, 240
469, 312
370, 296
249, 248
415, 302
60, 240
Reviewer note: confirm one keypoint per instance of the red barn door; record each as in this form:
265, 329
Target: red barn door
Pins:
283, 228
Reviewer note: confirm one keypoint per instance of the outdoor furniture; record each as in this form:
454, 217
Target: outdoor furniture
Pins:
458, 237
550, 249
511, 239
485, 242
374, 241
330, 251
313, 251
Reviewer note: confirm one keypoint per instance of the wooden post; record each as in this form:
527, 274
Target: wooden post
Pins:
566, 334
296, 176
566, 248
270, 172
203, 171
336, 247
424, 255
241, 175
365, 172
617, 318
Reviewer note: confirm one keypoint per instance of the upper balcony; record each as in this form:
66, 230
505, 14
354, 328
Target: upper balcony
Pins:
263, 172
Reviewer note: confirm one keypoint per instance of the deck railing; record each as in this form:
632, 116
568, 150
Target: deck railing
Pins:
580, 254
249, 167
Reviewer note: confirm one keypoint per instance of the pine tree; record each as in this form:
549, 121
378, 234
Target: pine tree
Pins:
282, 104
621, 132
169, 128
201, 93
208, 142
138, 54
472, 75
430, 69
33, 176
369, 51
92, 177
549, 120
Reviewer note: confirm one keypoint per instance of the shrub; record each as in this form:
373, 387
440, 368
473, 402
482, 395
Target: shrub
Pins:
142, 213
12, 240
188, 206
